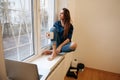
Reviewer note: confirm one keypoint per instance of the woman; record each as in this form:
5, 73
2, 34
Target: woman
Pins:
63, 30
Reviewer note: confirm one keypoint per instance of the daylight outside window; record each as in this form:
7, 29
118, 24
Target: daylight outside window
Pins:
16, 22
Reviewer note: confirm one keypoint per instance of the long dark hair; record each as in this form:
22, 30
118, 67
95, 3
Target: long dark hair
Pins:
67, 22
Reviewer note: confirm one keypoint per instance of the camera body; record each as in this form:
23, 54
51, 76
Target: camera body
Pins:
73, 71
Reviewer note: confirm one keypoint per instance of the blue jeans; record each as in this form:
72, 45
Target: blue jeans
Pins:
56, 39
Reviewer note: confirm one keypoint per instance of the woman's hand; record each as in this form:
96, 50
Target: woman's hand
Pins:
58, 49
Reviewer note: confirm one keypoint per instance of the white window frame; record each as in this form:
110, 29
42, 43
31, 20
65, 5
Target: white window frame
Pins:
36, 13
39, 49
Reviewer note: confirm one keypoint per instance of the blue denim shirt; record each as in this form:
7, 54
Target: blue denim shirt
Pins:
60, 30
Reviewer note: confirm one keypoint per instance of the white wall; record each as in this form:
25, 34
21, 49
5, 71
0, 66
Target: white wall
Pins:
97, 32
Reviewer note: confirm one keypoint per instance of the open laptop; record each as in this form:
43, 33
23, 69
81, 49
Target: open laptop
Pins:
21, 71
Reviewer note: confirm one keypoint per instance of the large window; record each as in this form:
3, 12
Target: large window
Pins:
17, 18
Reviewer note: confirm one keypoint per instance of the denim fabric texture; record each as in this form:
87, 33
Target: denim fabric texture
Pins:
56, 40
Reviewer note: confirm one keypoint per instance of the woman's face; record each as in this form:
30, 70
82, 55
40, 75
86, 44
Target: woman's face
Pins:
61, 15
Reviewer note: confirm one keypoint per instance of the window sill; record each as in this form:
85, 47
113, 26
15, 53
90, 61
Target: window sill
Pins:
44, 66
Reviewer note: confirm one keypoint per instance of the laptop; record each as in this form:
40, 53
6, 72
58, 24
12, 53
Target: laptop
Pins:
21, 71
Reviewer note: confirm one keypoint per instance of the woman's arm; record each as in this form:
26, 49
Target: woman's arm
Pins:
62, 44
65, 42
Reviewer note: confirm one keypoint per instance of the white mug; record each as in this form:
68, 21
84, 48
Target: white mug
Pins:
49, 35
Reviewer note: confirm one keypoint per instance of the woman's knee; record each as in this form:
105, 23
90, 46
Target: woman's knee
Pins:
73, 45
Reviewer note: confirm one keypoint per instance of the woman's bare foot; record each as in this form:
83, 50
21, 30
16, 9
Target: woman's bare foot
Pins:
53, 55
46, 52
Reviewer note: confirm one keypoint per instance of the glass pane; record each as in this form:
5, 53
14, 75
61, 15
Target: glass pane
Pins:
11, 54
25, 50
46, 18
16, 20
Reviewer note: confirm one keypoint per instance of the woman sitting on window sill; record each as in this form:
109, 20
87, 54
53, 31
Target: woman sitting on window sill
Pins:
62, 30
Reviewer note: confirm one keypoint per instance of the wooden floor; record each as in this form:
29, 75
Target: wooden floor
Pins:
93, 74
